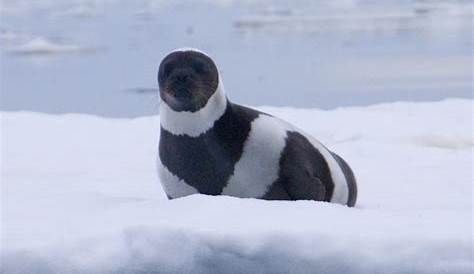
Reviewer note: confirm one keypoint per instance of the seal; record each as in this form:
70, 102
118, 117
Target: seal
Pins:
212, 146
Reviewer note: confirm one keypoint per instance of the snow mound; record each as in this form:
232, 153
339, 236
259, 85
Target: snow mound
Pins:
80, 195
7, 36
43, 46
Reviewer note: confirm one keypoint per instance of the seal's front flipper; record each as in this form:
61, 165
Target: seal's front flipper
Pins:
307, 187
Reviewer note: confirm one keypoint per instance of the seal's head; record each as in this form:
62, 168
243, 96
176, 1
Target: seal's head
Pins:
187, 79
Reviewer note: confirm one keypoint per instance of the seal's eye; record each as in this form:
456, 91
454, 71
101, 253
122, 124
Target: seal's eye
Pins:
167, 69
200, 67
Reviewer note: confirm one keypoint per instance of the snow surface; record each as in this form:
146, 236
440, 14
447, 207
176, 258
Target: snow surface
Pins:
80, 195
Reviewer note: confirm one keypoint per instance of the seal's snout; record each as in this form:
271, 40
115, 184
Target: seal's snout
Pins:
187, 79
182, 85
182, 77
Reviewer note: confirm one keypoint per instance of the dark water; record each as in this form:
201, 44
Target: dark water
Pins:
104, 54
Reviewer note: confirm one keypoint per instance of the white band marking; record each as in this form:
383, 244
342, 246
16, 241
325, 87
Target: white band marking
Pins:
194, 123
258, 167
173, 186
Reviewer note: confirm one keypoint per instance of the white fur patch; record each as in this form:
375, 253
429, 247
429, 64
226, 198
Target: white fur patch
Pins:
173, 186
194, 123
258, 167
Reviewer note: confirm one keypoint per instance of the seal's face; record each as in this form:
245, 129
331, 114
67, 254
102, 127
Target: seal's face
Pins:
187, 79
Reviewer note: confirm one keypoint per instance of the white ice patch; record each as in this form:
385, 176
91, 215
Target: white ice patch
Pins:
102, 211
42, 46
258, 167
173, 186
194, 123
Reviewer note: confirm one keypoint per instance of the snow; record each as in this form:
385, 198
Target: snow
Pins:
42, 46
80, 195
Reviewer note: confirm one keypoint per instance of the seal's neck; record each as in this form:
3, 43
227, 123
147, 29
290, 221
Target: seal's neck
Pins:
195, 123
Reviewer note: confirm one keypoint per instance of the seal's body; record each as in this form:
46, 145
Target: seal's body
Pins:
209, 145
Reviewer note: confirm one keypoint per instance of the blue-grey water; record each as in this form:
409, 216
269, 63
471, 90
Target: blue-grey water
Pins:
101, 56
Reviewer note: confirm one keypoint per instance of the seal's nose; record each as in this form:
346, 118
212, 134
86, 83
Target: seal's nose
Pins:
182, 78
